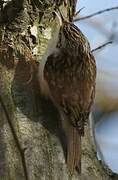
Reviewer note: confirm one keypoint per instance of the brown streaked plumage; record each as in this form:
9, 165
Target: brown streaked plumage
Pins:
67, 76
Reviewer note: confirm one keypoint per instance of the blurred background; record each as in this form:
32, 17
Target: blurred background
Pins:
100, 29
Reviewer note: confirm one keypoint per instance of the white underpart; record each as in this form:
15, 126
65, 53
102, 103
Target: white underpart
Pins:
59, 18
51, 49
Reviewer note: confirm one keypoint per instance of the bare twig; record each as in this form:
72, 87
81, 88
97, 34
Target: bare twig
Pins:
79, 11
15, 138
100, 47
95, 14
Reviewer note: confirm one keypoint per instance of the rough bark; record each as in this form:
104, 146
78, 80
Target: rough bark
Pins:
30, 132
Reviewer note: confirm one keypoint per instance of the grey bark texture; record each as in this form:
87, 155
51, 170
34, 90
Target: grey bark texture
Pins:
30, 132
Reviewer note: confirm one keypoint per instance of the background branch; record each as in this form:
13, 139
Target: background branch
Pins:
95, 14
101, 47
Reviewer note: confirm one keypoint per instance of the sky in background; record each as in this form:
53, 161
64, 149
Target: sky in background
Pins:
98, 30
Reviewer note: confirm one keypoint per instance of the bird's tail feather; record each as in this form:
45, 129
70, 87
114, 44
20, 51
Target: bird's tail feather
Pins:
74, 150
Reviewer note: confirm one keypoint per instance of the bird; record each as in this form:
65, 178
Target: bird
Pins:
67, 76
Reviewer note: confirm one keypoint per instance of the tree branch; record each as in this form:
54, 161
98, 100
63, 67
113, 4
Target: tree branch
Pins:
95, 14
102, 46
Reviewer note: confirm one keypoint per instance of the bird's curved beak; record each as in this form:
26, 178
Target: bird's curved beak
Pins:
59, 18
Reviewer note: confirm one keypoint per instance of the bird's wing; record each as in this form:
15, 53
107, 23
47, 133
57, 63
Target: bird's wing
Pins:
68, 89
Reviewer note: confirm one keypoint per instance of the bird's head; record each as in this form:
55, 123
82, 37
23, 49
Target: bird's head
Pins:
70, 35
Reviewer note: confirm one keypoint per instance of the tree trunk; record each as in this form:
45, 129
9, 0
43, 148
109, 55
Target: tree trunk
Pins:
31, 138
